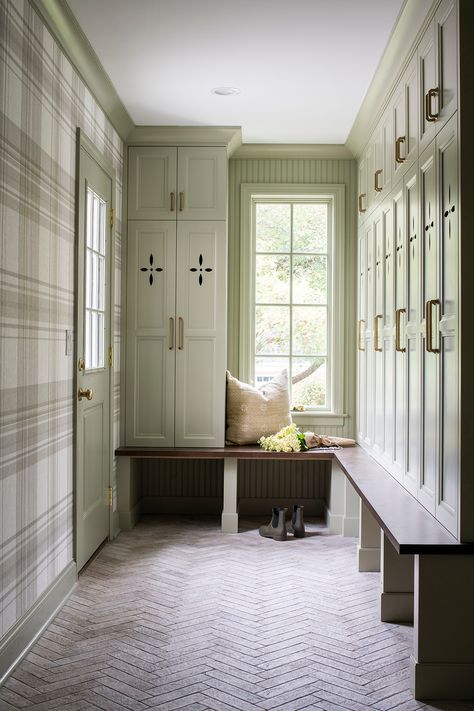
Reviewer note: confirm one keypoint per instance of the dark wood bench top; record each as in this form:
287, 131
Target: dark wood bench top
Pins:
409, 526
232, 451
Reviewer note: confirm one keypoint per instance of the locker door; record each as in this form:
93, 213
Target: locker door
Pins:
400, 347
388, 321
379, 333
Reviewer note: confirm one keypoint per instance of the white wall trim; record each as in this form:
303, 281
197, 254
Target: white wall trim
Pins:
229, 136
18, 641
65, 29
285, 151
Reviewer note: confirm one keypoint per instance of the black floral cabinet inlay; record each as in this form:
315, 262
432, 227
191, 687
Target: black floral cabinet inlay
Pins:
200, 269
151, 269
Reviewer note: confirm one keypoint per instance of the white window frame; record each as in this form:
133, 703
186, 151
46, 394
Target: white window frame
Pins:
334, 195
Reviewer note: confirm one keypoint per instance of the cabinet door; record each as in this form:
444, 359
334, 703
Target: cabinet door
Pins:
430, 339
361, 340
388, 340
201, 308
405, 123
428, 84
369, 345
151, 262
400, 350
362, 196
447, 490
438, 58
413, 391
446, 35
202, 183
378, 334
152, 183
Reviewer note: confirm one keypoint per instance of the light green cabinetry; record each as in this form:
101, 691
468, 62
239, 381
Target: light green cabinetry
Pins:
408, 338
176, 296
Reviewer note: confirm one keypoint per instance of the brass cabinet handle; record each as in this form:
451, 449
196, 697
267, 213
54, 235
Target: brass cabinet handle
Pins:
181, 202
377, 347
170, 334
360, 343
88, 394
429, 115
398, 143
429, 325
171, 202
180, 334
361, 197
398, 318
377, 188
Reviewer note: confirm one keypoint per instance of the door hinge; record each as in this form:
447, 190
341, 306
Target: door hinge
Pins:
111, 356
110, 496
112, 217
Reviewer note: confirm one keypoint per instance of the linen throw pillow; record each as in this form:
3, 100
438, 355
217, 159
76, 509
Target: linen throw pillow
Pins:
256, 412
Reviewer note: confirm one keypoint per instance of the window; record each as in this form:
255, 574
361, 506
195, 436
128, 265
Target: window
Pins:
95, 281
291, 291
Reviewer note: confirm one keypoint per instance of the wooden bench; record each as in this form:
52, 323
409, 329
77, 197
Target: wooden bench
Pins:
426, 574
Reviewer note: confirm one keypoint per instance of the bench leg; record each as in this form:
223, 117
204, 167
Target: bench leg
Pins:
396, 599
342, 512
230, 516
368, 552
442, 665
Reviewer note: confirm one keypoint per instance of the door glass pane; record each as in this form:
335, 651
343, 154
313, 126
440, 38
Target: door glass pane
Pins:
94, 319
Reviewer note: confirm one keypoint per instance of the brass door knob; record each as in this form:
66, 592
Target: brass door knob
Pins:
88, 394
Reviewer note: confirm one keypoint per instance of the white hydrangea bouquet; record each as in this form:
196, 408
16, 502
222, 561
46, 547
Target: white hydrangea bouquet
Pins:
288, 439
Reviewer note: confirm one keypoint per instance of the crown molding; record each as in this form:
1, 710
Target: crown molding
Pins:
413, 19
64, 27
229, 136
282, 151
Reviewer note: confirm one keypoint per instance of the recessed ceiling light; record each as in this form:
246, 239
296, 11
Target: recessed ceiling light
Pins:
225, 90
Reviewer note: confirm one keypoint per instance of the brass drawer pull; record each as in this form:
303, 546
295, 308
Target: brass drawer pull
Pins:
361, 197
398, 143
377, 188
398, 318
170, 334
429, 325
377, 347
360, 342
172, 202
181, 202
430, 116
180, 334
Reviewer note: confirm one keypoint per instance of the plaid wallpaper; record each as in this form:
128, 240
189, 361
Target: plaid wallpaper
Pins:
42, 102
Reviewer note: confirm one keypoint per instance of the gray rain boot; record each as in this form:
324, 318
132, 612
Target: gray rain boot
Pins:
276, 529
296, 525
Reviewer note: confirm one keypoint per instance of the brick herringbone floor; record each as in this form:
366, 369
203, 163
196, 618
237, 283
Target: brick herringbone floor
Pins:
176, 615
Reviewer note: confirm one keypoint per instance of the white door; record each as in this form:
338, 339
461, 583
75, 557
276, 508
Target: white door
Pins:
400, 315
93, 343
201, 334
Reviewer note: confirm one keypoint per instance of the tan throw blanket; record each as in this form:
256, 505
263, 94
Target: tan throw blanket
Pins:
315, 440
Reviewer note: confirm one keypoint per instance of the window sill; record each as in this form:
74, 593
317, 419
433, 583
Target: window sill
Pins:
329, 419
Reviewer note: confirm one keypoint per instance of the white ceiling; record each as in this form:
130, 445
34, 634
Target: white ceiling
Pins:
303, 66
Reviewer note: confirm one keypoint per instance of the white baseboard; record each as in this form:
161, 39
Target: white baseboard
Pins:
396, 607
442, 681
369, 560
128, 519
24, 633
